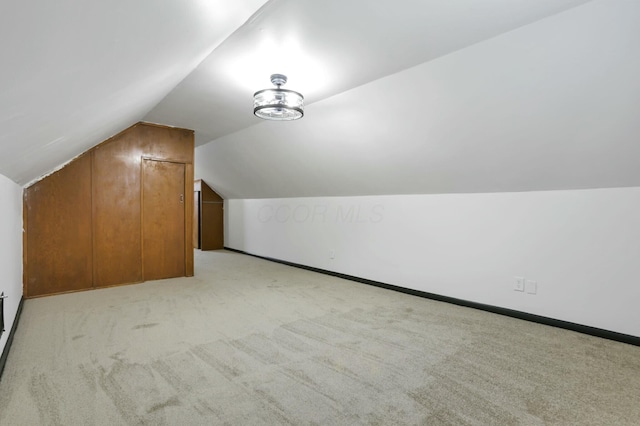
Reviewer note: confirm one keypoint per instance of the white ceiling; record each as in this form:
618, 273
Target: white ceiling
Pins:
330, 46
74, 73
404, 96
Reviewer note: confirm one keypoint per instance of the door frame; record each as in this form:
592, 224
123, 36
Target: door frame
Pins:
188, 211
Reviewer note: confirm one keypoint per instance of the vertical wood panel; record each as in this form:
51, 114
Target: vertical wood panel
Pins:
116, 211
196, 219
209, 194
163, 212
166, 143
211, 219
188, 224
212, 225
59, 238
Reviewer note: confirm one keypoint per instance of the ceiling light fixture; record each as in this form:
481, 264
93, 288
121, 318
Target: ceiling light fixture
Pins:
278, 104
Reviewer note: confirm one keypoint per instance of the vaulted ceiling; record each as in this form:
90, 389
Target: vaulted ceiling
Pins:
77, 72
403, 96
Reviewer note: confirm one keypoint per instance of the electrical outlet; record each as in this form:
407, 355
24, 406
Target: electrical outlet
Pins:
518, 284
531, 287
332, 254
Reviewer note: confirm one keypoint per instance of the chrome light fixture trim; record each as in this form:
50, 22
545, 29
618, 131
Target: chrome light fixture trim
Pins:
278, 104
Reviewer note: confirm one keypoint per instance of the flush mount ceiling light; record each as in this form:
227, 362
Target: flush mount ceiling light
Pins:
278, 104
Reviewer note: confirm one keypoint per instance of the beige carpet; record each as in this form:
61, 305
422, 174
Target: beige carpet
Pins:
250, 342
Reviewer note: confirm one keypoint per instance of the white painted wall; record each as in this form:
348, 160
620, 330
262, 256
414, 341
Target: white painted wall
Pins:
581, 246
10, 251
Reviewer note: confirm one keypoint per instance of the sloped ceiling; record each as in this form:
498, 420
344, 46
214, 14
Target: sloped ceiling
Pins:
74, 73
550, 105
410, 96
328, 47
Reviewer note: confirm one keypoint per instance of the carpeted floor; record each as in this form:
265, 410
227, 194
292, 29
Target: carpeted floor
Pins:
251, 342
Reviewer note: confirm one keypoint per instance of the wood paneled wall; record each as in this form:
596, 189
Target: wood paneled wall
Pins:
208, 219
84, 224
58, 224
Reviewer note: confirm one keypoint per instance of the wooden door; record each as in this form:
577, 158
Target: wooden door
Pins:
163, 219
212, 227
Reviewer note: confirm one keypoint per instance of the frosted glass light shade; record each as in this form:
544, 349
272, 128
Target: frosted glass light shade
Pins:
278, 104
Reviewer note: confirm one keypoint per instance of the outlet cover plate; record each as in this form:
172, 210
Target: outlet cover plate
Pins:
531, 287
518, 284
